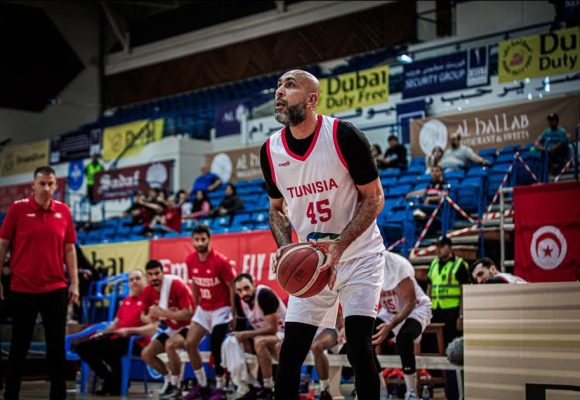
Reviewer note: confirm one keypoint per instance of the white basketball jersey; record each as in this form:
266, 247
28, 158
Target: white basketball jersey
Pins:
398, 268
255, 315
320, 193
509, 278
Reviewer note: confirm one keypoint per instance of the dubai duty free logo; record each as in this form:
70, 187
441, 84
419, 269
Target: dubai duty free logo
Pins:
517, 56
548, 247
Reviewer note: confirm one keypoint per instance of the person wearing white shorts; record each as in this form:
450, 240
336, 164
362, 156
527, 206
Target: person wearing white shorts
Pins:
406, 312
211, 274
323, 182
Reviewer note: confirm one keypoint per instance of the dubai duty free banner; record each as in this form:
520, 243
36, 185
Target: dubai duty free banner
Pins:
130, 139
538, 56
520, 123
354, 90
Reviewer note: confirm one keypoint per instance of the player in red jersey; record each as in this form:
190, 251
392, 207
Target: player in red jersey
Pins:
212, 276
169, 300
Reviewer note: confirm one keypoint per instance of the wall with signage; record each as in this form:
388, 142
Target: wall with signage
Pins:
23, 158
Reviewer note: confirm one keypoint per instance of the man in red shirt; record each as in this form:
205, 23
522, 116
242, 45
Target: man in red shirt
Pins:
104, 350
169, 301
212, 276
41, 233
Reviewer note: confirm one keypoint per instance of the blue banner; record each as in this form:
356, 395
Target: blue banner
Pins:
457, 71
76, 175
407, 112
228, 117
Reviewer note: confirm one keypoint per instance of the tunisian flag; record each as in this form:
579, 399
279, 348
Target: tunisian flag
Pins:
547, 227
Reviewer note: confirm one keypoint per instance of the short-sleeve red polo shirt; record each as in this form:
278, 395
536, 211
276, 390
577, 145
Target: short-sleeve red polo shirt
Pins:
37, 238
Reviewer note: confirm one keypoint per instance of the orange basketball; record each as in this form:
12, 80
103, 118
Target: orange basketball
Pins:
298, 270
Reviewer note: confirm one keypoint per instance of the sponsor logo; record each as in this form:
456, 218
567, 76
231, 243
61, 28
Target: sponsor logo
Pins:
517, 56
31, 215
321, 235
284, 164
548, 247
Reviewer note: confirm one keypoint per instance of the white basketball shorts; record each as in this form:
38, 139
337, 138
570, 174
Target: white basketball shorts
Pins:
209, 319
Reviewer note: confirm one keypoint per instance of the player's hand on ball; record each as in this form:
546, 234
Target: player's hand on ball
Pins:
382, 333
333, 250
278, 254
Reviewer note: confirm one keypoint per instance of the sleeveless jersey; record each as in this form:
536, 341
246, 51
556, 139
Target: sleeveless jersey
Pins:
509, 278
321, 195
255, 315
398, 268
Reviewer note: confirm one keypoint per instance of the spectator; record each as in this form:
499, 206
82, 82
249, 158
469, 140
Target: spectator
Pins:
207, 181
200, 207
90, 171
169, 221
230, 203
446, 275
395, 156
377, 154
485, 271
166, 299
135, 211
434, 158
435, 190
181, 199
556, 139
264, 311
103, 352
458, 156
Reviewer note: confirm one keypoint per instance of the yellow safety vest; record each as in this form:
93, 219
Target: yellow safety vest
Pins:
445, 288
92, 169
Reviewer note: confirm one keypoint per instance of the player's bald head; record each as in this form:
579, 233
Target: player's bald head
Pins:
304, 78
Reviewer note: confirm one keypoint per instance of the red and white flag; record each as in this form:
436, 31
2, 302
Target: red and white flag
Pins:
547, 232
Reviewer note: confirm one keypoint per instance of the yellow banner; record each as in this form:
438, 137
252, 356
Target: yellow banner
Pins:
354, 90
23, 158
117, 138
118, 257
539, 55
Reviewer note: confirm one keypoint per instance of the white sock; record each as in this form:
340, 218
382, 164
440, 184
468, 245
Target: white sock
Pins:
324, 384
201, 378
220, 382
243, 388
173, 379
411, 382
269, 383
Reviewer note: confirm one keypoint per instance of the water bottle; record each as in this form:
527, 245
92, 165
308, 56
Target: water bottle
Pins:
425, 395
78, 378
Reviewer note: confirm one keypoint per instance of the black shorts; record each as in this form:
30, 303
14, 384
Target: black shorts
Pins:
162, 337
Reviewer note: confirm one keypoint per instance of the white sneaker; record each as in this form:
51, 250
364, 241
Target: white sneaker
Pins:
411, 396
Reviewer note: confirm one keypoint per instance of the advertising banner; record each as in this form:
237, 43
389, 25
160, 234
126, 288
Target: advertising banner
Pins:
250, 252
228, 117
117, 138
520, 123
538, 56
124, 182
236, 165
23, 158
547, 232
117, 258
457, 71
75, 146
354, 90
10, 193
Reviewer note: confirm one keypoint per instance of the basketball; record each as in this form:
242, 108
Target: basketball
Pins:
298, 270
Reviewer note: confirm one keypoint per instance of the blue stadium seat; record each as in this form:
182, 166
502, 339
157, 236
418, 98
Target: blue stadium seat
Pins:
388, 181
469, 196
459, 174
504, 158
421, 186
534, 161
416, 170
408, 179
400, 190
477, 170
418, 161
389, 172
487, 152
424, 178
509, 149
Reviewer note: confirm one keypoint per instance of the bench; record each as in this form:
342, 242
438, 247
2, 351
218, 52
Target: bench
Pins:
337, 361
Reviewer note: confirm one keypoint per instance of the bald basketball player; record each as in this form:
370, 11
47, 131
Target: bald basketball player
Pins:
322, 169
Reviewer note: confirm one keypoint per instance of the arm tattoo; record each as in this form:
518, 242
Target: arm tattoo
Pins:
364, 216
280, 227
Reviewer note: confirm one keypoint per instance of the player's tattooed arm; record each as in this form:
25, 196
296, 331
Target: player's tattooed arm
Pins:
279, 222
369, 208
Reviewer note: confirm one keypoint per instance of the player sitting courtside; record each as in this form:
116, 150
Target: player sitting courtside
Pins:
406, 310
264, 311
485, 271
168, 300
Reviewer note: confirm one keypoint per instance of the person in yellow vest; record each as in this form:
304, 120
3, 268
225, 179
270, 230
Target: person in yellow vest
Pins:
446, 275
90, 170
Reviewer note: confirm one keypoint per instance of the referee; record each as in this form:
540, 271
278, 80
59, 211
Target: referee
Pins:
41, 234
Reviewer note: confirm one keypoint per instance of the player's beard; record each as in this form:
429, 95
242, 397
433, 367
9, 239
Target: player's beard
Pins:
248, 299
294, 114
202, 249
